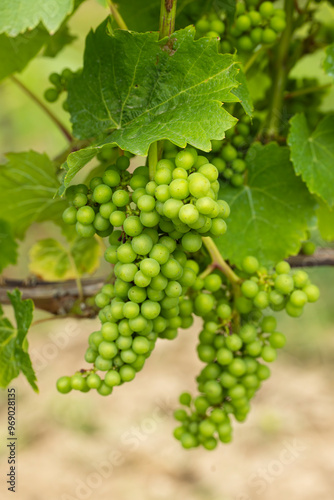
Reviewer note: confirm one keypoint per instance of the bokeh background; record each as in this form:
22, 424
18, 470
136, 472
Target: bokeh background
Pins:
84, 446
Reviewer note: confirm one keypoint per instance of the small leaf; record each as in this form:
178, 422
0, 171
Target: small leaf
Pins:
15, 53
28, 184
312, 155
270, 215
329, 60
58, 41
51, 261
326, 222
8, 246
13, 357
16, 16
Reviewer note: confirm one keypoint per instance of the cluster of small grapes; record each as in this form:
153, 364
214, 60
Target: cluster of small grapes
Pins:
59, 82
235, 341
254, 25
150, 254
229, 154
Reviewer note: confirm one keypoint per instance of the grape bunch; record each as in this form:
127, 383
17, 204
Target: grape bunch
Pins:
154, 228
236, 341
254, 25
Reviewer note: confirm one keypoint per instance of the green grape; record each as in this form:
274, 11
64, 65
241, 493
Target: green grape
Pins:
70, 215
51, 94
102, 194
111, 178
243, 23
117, 218
268, 35
77, 382
312, 292
266, 9
85, 230
245, 43
249, 289
277, 340
120, 198
278, 24
64, 385
268, 354
284, 284
94, 381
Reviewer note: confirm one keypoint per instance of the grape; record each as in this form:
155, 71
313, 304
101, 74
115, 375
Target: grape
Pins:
102, 193
191, 242
312, 292
132, 225
268, 35
278, 24
284, 284
243, 23
70, 215
250, 265
120, 198
64, 385
185, 159
51, 94
142, 244
245, 43
85, 231
266, 9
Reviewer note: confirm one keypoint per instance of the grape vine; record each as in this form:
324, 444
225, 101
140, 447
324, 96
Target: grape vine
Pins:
206, 167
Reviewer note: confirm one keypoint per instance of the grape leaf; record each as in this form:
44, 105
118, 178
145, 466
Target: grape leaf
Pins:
269, 215
52, 261
13, 356
28, 183
329, 60
132, 94
243, 94
132, 91
326, 222
8, 253
58, 41
312, 155
16, 16
15, 53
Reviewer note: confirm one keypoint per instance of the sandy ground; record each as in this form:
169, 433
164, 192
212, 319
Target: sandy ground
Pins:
83, 446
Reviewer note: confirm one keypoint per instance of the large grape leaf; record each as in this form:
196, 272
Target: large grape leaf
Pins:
28, 184
52, 261
144, 89
312, 155
15, 53
17, 16
329, 60
8, 246
14, 357
326, 222
270, 214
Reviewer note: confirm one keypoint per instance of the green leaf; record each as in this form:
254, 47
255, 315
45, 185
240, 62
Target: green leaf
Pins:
133, 97
329, 60
58, 41
15, 53
312, 155
52, 261
8, 246
16, 16
13, 357
28, 184
269, 216
326, 222
242, 92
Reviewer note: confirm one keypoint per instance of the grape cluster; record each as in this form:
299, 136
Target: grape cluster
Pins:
60, 83
161, 223
254, 24
236, 340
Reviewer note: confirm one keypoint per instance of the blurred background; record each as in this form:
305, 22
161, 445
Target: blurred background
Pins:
84, 446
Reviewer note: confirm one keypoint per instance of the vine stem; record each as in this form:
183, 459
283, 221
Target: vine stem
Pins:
307, 90
280, 73
219, 262
167, 17
46, 110
117, 16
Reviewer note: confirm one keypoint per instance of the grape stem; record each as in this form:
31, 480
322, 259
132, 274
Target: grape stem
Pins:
167, 17
46, 110
219, 262
117, 16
